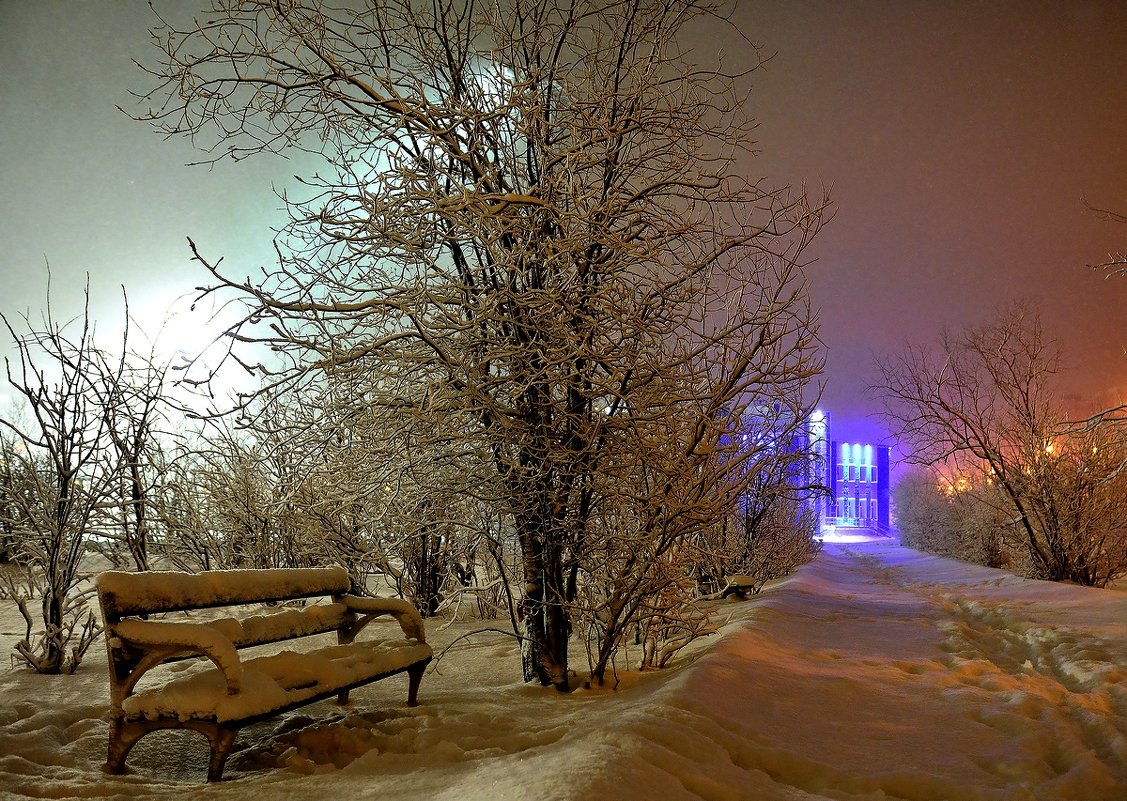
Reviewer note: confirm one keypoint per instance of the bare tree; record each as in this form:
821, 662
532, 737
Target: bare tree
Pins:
57, 484
986, 397
531, 234
133, 398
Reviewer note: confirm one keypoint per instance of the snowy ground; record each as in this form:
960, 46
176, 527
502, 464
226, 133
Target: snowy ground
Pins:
874, 673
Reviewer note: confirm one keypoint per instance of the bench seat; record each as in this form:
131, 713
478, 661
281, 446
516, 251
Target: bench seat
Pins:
275, 683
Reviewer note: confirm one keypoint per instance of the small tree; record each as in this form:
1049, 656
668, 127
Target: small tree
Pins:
58, 485
132, 402
180, 514
244, 508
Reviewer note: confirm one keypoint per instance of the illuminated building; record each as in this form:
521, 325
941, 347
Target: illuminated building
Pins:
856, 476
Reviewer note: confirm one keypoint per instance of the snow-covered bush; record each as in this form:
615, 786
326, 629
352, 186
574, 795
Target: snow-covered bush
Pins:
780, 543
772, 528
1075, 491
55, 487
962, 519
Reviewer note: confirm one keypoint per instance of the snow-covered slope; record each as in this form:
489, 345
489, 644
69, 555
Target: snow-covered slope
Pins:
874, 673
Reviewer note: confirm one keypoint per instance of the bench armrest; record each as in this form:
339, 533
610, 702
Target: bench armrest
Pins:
407, 615
178, 637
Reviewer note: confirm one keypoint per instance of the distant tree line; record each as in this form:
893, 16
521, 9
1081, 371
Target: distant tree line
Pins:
92, 465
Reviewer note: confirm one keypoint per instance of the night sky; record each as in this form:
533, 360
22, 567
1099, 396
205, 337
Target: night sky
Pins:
957, 140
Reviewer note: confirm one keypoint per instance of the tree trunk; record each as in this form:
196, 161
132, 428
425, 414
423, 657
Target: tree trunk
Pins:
51, 662
543, 613
138, 542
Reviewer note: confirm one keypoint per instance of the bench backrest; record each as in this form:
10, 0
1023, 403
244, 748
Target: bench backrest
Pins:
125, 594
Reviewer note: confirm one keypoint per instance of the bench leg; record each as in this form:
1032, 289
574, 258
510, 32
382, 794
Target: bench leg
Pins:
342, 697
221, 741
126, 734
414, 676
122, 739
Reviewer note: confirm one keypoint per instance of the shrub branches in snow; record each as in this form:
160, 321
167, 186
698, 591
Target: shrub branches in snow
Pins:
955, 515
530, 249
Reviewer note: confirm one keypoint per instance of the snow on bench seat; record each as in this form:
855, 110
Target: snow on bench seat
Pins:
272, 683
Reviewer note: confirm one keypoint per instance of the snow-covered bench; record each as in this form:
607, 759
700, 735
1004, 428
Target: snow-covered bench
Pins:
219, 701
739, 586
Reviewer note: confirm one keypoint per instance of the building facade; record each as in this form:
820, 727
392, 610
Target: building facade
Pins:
856, 475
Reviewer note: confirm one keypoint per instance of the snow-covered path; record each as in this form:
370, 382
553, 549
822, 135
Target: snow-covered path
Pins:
874, 673
878, 672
